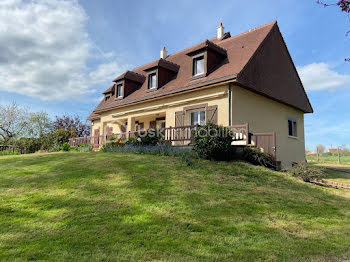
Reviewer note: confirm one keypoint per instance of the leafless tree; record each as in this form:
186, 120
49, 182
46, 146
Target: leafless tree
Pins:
320, 149
14, 121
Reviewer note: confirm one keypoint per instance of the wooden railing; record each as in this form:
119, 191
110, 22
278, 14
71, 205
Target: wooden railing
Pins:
240, 132
181, 133
266, 142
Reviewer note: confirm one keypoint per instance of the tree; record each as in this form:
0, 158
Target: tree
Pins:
344, 5
14, 122
68, 123
40, 125
320, 149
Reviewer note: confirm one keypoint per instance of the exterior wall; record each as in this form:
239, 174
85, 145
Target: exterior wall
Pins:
265, 115
148, 111
96, 124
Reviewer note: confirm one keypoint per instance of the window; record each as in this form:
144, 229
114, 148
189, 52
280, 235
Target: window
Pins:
152, 81
120, 90
198, 65
107, 97
292, 127
197, 118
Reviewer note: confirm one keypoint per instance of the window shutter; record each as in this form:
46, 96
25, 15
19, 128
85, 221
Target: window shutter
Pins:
109, 130
179, 118
212, 114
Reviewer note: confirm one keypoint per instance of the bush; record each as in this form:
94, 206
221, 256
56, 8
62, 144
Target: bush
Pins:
256, 157
61, 136
84, 148
212, 142
8, 153
65, 147
29, 145
306, 173
150, 137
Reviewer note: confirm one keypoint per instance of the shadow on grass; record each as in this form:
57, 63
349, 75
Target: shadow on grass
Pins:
130, 207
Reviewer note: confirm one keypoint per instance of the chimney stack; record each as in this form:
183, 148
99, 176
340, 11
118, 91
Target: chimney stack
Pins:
163, 53
220, 33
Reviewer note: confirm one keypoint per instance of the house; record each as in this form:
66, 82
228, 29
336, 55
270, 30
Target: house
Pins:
334, 151
247, 82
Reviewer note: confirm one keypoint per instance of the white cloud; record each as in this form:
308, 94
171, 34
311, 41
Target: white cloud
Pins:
44, 50
106, 72
320, 76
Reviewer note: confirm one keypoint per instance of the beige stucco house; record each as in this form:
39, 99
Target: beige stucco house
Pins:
247, 82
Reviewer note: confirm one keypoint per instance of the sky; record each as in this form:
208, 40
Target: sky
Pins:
58, 56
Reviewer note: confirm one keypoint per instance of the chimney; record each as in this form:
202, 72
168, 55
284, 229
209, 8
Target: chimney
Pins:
163, 53
220, 31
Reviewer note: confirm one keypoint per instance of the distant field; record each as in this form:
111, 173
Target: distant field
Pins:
343, 159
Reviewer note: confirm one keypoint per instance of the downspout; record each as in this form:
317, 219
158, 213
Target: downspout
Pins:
229, 104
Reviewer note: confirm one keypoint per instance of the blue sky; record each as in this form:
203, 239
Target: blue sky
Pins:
71, 50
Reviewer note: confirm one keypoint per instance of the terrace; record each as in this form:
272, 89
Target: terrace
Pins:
182, 136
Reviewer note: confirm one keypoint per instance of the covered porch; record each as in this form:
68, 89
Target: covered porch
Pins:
176, 136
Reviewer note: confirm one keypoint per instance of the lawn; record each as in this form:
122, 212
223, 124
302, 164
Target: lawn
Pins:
334, 159
128, 207
339, 173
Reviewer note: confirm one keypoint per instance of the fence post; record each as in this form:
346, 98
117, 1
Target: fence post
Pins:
247, 134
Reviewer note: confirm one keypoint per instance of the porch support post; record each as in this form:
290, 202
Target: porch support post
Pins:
131, 125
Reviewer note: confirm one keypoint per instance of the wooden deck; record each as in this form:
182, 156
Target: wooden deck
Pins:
241, 137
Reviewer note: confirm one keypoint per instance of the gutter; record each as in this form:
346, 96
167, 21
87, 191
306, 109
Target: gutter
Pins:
229, 104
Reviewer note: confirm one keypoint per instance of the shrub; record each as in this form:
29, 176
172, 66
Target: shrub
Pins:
150, 137
61, 136
7, 153
212, 142
84, 148
256, 157
65, 147
306, 173
29, 145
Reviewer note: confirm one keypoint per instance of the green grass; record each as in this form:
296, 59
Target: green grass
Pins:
332, 174
128, 207
334, 159
336, 176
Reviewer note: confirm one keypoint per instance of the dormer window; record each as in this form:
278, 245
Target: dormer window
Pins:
152, 81
206, 58
120, 90
198, 65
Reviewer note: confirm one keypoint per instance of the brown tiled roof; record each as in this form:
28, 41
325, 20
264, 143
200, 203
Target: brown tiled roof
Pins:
207, 44
132, 76
109, 90
93, 116
163, 63
240, 50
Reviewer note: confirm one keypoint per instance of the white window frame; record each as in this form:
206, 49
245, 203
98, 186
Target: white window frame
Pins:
294, 127
194, 64
149, 80
199, 116
121, 90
